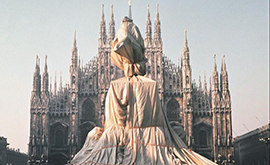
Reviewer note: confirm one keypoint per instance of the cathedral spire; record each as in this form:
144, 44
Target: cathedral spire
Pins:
74, 58
129, 9
60, 85
148, 13
45, 77
185, 56
215, 63
224, 75
112, 26
55, 85
157, 34
223, 63
215, 76
79, 57
157, 13
200, 81
74, 40
205, 83
210, 84
37, 77
148, 30
225, 85
102, 30
45, 66
37, 68
50, 85
102, 13
187, 95
186, 42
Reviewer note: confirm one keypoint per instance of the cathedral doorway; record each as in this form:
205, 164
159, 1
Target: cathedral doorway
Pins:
202, 138
59, 135
58, 159
87, 120
173, 110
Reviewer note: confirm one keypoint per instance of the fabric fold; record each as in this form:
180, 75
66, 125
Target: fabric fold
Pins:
137, 132
128, 49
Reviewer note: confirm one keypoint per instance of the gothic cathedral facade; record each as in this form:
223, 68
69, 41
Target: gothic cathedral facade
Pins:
61, 117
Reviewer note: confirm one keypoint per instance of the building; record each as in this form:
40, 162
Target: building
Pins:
252, 148
11, 156
62, 117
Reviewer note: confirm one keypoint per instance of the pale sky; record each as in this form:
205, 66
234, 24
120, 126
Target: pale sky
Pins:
238, 29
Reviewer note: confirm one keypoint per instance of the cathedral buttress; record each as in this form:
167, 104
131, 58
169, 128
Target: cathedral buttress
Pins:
73, 92
226, 109
74, 73
37, 111
45, 96
103, 62
217, 117
187, 93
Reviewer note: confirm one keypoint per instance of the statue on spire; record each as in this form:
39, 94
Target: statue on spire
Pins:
129, 9
186, 42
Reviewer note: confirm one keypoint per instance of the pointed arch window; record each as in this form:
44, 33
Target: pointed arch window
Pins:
158, 69
187, 79
111, 70
203, 138
102, 70
173, 110
88, 110
82, 85
73, 79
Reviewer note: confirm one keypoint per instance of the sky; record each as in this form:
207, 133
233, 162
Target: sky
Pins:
238, 29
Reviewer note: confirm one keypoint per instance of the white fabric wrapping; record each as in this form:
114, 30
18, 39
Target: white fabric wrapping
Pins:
136, 130
128, 49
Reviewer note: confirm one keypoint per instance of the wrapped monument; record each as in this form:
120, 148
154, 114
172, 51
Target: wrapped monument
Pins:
136, 130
